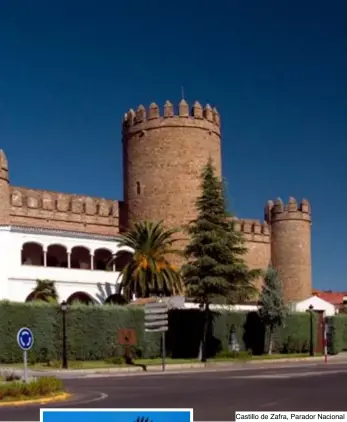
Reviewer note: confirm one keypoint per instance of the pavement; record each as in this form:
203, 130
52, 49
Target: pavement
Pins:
174, 368
214, 394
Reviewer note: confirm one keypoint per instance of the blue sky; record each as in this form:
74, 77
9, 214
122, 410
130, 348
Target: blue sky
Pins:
112, 416
275, 70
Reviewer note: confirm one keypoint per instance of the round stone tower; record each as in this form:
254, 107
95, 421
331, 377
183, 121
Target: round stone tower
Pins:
163, 156
290, 227
4, 190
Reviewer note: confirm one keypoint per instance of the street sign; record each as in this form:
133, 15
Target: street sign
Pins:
156, 317
25, 340
127, 337
157, 320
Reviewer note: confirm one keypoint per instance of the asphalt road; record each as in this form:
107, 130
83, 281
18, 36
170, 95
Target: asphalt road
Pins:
213, 395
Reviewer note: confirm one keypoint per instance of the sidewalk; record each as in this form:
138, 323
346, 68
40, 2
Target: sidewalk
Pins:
77, 373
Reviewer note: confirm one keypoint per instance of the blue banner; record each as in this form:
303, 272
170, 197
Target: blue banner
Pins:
116, 415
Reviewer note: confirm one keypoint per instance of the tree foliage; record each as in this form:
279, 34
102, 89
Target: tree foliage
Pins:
216, 270
149, 272
44, 291
272, 308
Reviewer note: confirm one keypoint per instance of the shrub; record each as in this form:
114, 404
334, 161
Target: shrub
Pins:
294, 336
183, 340
243, 355
92, 333
337, 334
40, 387
9, 375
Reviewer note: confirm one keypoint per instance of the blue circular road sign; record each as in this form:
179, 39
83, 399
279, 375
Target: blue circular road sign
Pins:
25, 339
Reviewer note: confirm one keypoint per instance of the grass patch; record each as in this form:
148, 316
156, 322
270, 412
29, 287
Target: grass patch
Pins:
43, 387
100, 364
28, 398
283, 356
244, 356
118, 362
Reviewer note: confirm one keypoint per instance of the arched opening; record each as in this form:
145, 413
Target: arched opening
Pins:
122, 259
116, 299
80, 258
57, 256
32, 254
80, 297
102, 258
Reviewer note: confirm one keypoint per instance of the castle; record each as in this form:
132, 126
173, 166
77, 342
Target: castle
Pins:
66, 238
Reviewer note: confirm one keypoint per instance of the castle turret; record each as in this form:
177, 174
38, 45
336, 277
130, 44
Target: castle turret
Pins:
163, 156
4, 190
290, 227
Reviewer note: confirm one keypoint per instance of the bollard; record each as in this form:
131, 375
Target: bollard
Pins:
325, 343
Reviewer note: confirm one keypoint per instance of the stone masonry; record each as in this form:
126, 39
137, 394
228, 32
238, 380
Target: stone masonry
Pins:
163, 155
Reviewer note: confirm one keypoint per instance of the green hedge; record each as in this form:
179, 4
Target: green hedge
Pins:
337, 334
186, 330
92, 332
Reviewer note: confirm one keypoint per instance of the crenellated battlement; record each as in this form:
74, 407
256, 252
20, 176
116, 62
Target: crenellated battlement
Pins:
292, 210
152, 117
29, 207
164, 150
61, 202
253, 230
3, 166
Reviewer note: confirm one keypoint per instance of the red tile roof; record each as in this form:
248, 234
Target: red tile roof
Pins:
336, 298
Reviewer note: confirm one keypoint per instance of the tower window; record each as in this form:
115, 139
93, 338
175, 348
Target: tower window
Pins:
138, 188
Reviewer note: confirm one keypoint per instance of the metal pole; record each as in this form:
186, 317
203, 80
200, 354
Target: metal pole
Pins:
25, 360
64, 360
163, 349
325, 343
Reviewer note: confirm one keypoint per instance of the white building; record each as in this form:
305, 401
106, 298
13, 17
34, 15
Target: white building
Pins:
76, 262
317, 304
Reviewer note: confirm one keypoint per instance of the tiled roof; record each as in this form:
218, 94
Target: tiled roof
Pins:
336, 298
64, 233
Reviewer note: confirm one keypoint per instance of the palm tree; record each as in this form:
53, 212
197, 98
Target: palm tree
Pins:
149, 272
45, 291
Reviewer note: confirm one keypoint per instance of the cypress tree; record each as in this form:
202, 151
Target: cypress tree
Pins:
216, 271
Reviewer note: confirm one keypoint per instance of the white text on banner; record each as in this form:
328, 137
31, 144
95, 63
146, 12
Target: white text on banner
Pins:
291, 416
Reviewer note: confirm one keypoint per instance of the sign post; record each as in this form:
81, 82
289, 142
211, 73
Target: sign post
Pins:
157, 320
25, 340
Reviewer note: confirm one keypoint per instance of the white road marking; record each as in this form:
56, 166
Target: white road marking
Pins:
289, 375
102, 396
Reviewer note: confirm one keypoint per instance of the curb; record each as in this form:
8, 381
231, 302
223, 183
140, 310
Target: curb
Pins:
177, 366
153, 368
288, 360
43, 400
226, 364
